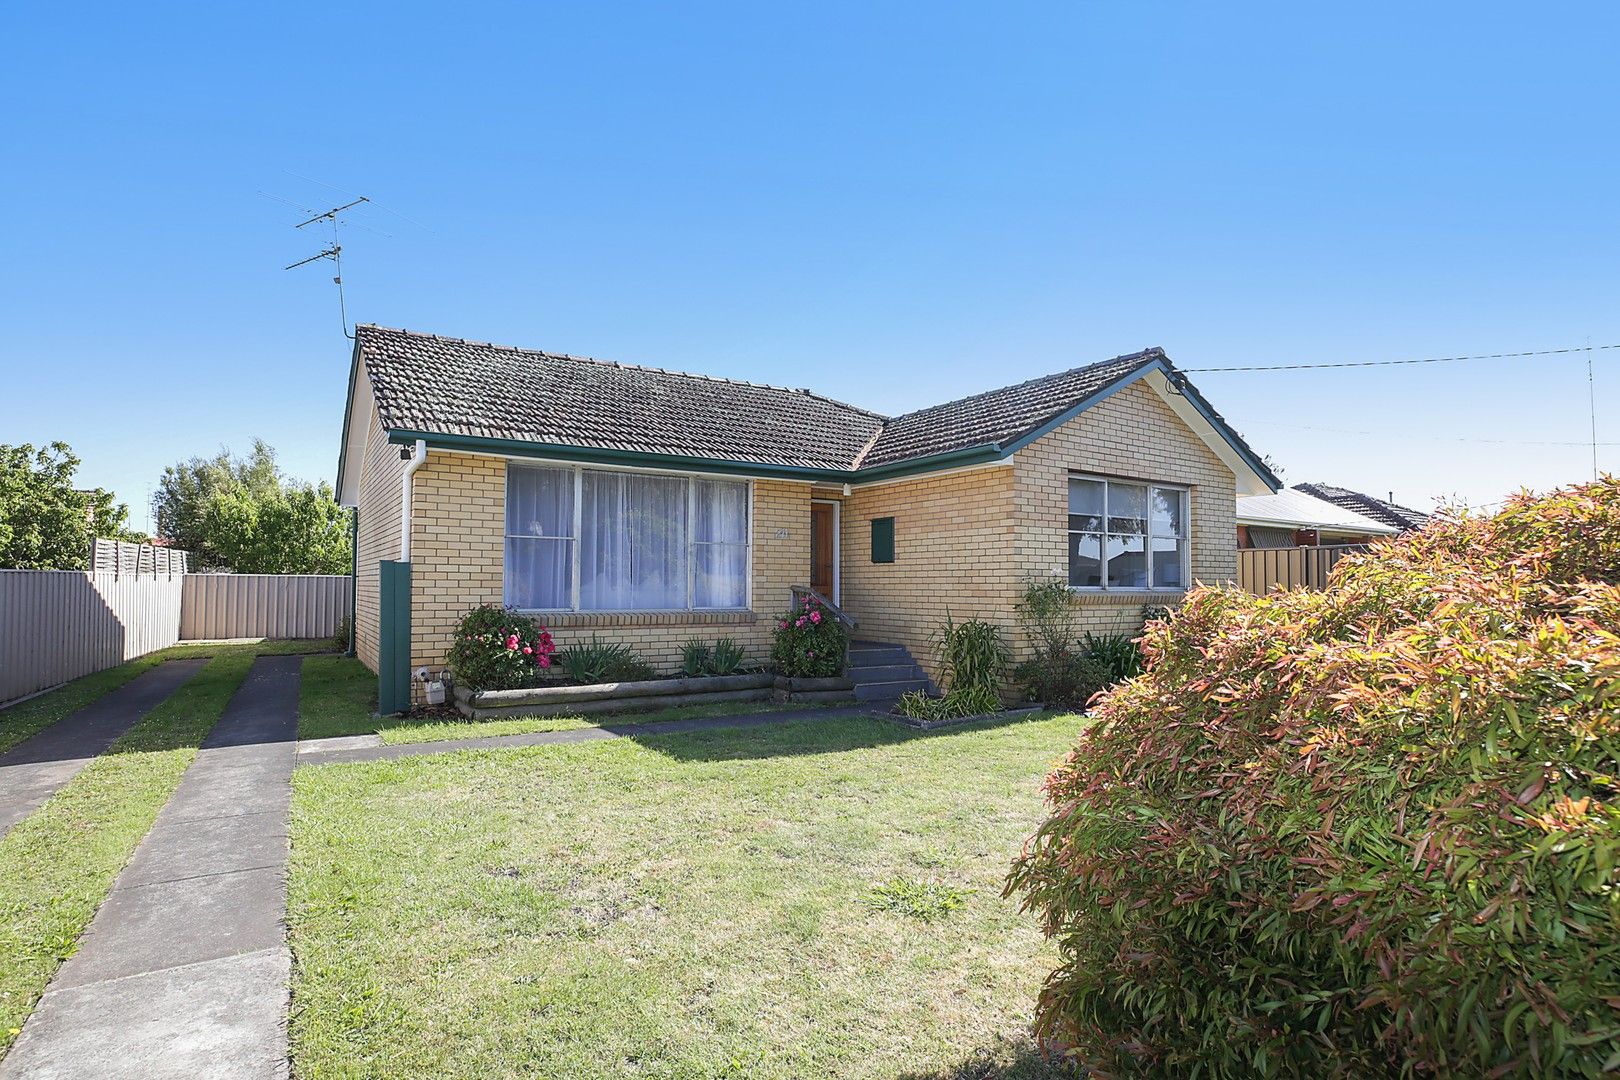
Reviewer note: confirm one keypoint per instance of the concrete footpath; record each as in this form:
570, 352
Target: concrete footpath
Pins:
184, 970
37, 768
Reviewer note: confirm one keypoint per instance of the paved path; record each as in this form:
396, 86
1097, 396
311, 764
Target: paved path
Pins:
35, 769
372, 748
184, 971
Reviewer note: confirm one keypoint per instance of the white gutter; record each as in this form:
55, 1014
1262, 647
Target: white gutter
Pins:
417, 459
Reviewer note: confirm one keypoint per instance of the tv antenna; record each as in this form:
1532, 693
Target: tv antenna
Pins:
335, 253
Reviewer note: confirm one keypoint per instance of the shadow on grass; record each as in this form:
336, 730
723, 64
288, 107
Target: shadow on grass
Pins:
788, 735
1001, 1062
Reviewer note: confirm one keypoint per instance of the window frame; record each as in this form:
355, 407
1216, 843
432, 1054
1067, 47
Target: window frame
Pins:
578, 470
1184, 490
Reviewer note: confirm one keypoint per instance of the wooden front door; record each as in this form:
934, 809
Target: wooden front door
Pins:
823, 548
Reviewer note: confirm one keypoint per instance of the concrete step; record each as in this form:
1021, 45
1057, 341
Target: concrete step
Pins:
882, 672
888, 691
870, 655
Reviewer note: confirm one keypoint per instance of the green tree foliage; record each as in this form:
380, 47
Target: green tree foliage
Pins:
45, 522
242, 514
1370, 831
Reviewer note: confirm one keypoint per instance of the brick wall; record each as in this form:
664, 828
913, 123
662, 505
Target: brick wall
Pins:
377, 537
458, 552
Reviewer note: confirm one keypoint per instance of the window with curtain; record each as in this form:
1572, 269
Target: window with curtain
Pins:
646, 541
1126, 535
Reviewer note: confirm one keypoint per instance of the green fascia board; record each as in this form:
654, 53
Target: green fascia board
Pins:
985, 453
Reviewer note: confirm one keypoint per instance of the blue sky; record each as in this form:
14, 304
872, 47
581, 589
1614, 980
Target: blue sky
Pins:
891, 204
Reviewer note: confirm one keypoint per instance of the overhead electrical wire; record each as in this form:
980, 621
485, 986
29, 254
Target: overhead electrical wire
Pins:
1399, 363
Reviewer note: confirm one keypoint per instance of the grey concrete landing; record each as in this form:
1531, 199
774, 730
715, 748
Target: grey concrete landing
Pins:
35, 769
184, 970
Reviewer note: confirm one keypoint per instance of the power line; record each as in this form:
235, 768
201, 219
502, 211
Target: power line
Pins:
1397, 363
1396, 434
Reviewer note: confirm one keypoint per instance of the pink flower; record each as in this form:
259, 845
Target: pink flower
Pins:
528, 650
799, 622
815, 617
512, 643
545, 661
784, 624
811, 654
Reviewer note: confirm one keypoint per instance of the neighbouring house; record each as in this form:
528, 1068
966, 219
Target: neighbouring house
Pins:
1294, 518
650, 507
1387, 511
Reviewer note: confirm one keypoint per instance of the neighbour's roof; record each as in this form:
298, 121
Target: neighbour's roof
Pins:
426, 385
1390, 513
1295, 509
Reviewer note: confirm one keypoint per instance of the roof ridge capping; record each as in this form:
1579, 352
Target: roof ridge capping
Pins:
623, 365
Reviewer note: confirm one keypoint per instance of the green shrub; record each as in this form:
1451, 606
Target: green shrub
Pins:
727, 657
1046, 615
1065, 681
810, 643
341, 635
1369, 831
696, 658
498, 649
598, 661
971, 654
1119, 655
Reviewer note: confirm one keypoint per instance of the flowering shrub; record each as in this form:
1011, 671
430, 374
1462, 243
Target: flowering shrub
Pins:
498, 649
810, 643
1369, 831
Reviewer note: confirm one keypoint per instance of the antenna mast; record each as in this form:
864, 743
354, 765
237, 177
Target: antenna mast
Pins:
335, 253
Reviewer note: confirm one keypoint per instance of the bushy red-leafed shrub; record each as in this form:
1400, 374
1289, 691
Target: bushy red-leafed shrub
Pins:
1371, 831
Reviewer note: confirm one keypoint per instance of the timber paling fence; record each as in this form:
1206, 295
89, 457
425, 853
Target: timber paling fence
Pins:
1262, 569
57, 625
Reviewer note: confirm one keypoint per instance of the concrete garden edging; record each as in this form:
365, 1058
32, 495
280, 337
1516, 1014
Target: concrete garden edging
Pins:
613, 697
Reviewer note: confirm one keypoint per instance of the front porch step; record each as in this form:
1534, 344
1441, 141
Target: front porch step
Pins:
888, 691
865, 673
878, 655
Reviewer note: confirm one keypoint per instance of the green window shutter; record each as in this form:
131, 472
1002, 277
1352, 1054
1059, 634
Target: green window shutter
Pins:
883, 539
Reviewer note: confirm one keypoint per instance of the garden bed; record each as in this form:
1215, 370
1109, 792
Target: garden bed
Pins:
614, 696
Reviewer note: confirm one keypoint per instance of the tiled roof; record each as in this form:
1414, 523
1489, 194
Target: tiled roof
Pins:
1302, 510
448, 386
997, 416
1389, 513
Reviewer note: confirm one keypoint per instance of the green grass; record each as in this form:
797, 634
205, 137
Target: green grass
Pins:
58, 864
673, 906
336, 696
434, 731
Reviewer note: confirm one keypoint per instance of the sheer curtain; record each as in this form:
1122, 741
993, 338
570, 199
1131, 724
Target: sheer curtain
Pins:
633, 551
539, 537
719, 544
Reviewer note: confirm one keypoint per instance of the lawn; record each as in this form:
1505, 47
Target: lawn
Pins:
59, 863
338, 696
815, 899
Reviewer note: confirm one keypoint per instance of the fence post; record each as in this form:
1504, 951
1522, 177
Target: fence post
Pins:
394, 637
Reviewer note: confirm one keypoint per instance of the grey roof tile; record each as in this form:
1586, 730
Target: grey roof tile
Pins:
1380, 510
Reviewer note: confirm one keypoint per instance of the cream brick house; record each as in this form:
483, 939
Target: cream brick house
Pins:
651, 507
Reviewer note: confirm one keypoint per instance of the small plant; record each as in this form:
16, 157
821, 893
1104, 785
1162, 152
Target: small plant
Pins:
727, 657
810, 643
1046, 615
959, 703
924, 900
342, 635
971, 654
598, 661
1118, 653
696, 658
498, 649
1067, 680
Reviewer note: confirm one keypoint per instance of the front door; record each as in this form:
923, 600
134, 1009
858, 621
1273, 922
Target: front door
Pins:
824, 548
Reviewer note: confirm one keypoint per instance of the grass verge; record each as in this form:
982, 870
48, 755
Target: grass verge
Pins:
58, 864
693, 905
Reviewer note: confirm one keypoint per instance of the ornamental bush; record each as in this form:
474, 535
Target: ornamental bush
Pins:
498, 649
1370, 831
810, 643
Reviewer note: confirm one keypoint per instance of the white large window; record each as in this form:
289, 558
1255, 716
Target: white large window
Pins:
1125, 535
595, 540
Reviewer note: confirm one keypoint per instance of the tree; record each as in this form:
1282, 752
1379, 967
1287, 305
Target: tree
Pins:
242, 514
45, 522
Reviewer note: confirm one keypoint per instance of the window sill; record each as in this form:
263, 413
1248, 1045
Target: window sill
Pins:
1124, 596
727, 617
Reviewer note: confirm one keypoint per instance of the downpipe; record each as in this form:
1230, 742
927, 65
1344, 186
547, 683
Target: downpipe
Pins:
416, 460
